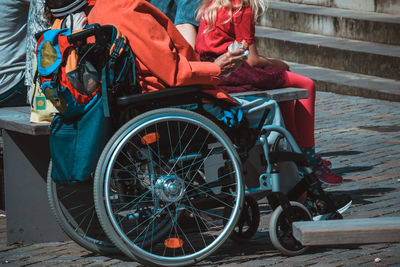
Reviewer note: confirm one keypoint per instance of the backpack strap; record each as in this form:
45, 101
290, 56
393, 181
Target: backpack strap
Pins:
35, 78
104, 92
120, 50
64, 22
108, 74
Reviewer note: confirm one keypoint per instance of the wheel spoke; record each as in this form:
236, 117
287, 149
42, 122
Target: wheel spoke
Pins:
75, 213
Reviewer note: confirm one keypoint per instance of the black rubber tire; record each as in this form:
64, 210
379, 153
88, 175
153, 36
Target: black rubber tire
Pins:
249, 221
280, 228
76, 208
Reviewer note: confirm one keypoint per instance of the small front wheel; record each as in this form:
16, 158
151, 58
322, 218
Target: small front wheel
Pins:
280, 228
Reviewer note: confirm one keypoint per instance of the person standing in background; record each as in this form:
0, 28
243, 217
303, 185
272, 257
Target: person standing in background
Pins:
36, 23
13, 29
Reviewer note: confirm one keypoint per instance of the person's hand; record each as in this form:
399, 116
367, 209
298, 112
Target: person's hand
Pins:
230, 61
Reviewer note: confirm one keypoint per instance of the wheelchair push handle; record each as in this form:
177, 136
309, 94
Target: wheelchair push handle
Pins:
83, 35
96, 31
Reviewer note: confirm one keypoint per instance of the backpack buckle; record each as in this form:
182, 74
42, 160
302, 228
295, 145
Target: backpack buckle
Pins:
118, 46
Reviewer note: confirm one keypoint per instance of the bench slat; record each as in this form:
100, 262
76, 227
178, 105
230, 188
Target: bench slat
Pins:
348, 231
18, 119
282, 94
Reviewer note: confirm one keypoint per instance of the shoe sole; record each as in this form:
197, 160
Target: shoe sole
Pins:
341, 210
345, 207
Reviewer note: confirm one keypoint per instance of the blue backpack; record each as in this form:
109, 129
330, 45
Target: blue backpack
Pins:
82, 80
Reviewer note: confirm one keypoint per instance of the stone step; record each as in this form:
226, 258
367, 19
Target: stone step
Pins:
357, 25
380, 6
362, 57
347, 83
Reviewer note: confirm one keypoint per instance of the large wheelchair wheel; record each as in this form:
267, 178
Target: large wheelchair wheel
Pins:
74, 210
162, 184
280, 228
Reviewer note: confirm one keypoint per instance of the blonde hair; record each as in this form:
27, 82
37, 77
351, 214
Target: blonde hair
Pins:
209, 8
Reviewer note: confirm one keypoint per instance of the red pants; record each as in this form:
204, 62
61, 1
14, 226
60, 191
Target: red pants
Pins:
299, 115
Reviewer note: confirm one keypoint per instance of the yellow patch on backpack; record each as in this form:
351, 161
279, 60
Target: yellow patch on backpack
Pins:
49, 55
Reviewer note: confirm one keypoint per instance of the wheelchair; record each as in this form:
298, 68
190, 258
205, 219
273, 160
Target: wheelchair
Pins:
169, 187
169, 190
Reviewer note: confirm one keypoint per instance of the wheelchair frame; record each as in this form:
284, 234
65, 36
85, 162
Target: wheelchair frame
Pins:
107, 193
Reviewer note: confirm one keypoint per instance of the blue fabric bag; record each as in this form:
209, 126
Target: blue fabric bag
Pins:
86, 105
76, 144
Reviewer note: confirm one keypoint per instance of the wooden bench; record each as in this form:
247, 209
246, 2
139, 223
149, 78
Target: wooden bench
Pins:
26, 159
348, 231
282, 94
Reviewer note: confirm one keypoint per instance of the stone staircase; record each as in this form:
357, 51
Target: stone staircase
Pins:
346, 46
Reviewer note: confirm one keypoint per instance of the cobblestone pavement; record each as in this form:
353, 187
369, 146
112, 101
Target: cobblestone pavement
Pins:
362, 139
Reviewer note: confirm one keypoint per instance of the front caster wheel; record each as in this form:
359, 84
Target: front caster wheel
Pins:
280, 228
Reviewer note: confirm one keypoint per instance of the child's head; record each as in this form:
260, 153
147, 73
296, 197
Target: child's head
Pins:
209, 8
55, 9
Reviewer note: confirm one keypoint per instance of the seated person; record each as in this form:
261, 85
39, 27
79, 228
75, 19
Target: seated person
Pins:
180, 65
154, 36
222, 23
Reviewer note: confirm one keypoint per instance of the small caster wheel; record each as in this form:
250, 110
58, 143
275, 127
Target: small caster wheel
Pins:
249, 221
280, 228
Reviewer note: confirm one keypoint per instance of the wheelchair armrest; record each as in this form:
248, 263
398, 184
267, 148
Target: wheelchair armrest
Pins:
167, 93
299, 159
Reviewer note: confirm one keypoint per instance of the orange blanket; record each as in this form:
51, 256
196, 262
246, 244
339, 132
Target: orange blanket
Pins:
163, 57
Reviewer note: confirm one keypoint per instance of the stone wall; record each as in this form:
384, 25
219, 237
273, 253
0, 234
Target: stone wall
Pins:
381, 6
